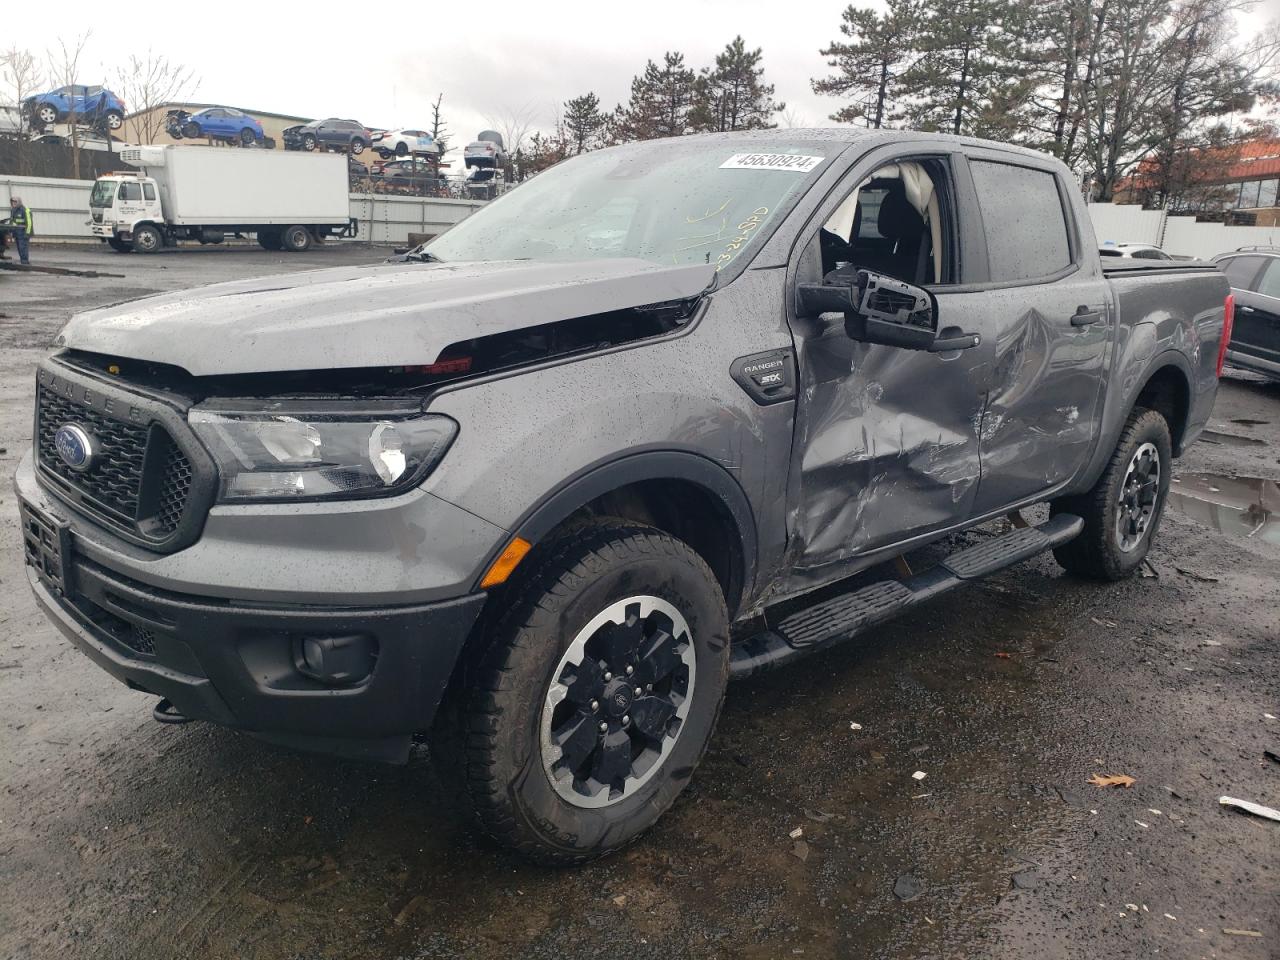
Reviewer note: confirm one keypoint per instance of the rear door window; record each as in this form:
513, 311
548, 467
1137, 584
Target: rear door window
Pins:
1025, 224
1269, 283
130, 191
149, 191
1241, 271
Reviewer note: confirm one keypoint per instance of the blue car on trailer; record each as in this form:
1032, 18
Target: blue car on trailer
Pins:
219, 123
96, 105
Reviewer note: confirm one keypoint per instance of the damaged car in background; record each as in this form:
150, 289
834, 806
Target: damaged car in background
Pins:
669, 414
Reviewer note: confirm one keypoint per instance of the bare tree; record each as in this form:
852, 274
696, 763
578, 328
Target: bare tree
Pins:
64, 71
146, 85
789, 119
22, 77
514, 123
439, 129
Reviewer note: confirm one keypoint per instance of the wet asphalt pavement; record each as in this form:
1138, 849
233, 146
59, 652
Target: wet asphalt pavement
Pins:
120, 837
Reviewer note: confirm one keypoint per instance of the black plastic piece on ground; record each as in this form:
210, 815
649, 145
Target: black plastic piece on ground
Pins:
842, 617
166, 712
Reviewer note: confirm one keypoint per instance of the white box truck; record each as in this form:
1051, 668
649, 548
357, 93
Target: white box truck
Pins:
289, 200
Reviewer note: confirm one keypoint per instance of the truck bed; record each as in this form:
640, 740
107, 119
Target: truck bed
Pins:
1127, 266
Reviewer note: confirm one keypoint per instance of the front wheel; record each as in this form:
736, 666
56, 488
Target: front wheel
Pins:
247, 137
115, 119
308, 142
597, 695
46, 114
357, 146
1123, 509
119, 246
147, 239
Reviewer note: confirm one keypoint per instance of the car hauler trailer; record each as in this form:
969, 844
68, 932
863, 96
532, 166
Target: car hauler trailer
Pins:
288, 200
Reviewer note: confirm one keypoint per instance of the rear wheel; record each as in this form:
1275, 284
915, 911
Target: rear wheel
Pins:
115, 119
357, 146
147, 239
1122, 511
597, 695
248, 137
402, 149
295, 239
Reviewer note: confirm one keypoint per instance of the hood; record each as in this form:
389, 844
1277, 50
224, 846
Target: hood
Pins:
367, 316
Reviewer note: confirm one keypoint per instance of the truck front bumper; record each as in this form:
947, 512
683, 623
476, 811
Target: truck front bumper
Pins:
242, 662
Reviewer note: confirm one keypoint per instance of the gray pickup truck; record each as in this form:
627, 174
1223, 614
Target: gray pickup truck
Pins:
541, 492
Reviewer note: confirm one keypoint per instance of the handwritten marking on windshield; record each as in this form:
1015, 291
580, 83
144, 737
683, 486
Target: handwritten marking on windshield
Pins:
709, 214
745, 229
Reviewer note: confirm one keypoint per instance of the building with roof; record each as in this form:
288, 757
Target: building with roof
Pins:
1240, 184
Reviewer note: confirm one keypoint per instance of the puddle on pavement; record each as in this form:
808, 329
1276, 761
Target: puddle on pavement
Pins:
1237, 506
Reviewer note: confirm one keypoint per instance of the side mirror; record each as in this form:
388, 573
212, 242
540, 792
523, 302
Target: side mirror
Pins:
893, 313
880, 309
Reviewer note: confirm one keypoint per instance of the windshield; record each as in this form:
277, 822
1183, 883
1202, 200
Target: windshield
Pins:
671, 203
103, 191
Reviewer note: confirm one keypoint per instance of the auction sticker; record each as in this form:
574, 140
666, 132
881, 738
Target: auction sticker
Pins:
788, 162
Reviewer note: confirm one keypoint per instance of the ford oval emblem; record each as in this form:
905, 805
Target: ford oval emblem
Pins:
75, 446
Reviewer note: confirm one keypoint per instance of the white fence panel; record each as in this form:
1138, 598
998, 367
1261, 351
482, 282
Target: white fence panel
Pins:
1184, 237
1179, 236
61, 210
1125, 223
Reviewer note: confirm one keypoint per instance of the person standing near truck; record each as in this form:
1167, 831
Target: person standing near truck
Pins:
20, 220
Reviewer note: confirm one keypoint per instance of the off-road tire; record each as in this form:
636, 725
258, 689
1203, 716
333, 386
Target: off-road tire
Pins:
1096, 552
506, 786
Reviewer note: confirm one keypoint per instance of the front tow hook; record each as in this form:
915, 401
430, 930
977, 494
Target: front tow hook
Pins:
166, 712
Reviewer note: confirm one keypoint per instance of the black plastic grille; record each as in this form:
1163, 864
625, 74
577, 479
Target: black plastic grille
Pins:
115, 481
140, 479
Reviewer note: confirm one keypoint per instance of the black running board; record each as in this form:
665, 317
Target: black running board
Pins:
839, 618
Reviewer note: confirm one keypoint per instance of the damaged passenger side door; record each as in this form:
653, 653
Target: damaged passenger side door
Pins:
886, 444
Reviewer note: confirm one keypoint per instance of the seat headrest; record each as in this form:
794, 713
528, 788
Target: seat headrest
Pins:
898, 219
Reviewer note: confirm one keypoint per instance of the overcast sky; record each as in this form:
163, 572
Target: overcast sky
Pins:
489, 58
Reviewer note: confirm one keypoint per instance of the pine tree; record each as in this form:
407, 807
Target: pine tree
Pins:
584, 121
964, 68
661, 100
732, 95
870, 63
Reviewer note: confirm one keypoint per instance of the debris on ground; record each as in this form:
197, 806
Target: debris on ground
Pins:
1004, 656
854, 726
1025, 880
817, 816
797, 833
1104, 623
1272, 755
800, 850
1196, 576
919, 775
907, 887
1112, 780
1241, 933
1248, 806
620, 900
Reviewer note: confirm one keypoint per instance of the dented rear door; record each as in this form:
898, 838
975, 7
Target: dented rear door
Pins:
1048, 320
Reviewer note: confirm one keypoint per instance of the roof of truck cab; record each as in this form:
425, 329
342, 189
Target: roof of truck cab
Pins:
866, 136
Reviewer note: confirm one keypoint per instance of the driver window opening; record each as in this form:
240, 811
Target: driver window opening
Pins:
891, 223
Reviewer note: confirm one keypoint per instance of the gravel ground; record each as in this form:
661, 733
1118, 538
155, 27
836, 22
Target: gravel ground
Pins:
120, 837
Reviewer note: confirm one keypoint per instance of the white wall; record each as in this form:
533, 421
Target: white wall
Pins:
1180, 236
61, 210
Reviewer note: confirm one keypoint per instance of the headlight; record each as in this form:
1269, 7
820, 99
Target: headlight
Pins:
310, 450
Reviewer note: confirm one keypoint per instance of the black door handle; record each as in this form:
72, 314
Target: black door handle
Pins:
1083, 317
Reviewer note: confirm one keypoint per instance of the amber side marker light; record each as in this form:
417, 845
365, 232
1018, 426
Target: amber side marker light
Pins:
506, 563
